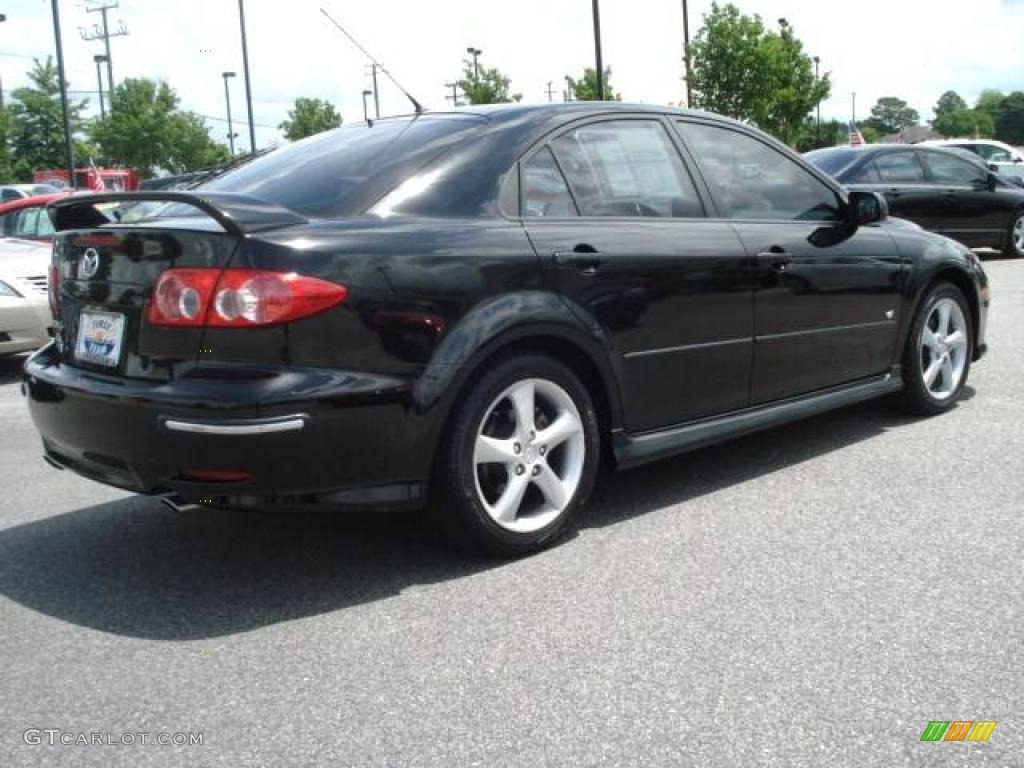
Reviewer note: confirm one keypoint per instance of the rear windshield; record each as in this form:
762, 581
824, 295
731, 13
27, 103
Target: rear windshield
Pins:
345, 171
835, 160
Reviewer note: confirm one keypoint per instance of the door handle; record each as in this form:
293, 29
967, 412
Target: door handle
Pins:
776, 259
583, 258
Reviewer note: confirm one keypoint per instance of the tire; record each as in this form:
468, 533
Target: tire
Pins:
935, 369
1014, 247
488, 460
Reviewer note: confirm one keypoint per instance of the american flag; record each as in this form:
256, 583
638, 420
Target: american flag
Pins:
96, 183
856, 137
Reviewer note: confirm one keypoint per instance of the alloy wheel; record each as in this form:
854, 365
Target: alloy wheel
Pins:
1018, 235
528, 455
944, 348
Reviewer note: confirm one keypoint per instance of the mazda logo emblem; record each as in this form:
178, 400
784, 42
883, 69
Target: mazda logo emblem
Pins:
90, 263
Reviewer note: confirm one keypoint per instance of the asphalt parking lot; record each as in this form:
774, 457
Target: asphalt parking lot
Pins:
810, 596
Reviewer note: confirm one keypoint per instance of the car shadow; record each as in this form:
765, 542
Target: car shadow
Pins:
10, 368
134, 568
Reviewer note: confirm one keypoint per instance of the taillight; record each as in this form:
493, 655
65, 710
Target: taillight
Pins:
238, 298
53, 288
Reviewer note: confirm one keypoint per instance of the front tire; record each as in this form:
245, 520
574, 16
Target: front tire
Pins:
1015, 237
520, 458
937, 357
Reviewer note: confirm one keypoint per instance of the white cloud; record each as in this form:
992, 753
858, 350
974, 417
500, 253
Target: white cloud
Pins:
912, 49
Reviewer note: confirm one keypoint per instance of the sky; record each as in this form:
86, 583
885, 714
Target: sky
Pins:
913, 49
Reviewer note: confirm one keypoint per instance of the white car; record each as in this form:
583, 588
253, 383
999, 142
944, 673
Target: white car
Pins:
9, 192
1001, 157
25, 316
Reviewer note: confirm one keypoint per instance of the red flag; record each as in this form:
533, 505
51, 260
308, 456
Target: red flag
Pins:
856, 137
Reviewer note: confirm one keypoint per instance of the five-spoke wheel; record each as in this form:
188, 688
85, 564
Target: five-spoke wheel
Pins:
937, 358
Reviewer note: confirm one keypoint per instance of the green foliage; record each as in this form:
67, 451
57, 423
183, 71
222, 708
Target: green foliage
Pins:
585, 89
745, 71
965, 123
989, 101
871, 134
489, 87
832, 133
1010, 119
309, 117
891, 115
948, 102
6, 156
37, 130
146, 130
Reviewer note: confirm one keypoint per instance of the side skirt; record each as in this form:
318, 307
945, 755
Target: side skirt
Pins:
632, 450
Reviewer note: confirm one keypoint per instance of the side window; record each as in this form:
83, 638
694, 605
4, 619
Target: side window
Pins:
952, 170
544, 190
627, 168
10, 194
755, 181
866, 174
900, 166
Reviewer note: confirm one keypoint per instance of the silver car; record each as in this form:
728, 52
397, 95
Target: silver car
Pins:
25, 316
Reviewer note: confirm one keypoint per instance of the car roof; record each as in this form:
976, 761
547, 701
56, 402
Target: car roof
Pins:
29, 202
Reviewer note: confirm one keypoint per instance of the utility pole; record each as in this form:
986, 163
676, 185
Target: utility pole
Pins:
455, 93
376, 94
227, 99
69, 154
569, 90
103, 33
248, 84
854, 110
686, 53
99, 58
366, 112
597, 51
551, 91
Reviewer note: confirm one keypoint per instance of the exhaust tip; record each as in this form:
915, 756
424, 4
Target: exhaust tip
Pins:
175, 503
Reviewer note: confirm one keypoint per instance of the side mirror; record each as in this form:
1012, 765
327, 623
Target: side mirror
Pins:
995, 168
866, 208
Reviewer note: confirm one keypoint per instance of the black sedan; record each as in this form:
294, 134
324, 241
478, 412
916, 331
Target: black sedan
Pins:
477, 309
937, 188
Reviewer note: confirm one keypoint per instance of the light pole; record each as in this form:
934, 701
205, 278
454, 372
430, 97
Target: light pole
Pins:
100, 59
686, 53
817, 125
597, 51
227, 99
68, 153
366, 112
248, 84
569, 90
475, 53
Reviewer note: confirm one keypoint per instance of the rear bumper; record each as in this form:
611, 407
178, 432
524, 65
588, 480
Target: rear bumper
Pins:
303, 436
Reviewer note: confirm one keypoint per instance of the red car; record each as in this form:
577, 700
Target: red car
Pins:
27, 218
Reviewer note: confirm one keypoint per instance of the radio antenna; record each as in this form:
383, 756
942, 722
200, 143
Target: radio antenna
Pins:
416, 105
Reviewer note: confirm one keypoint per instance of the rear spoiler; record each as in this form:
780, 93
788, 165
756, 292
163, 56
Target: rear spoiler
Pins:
237, 214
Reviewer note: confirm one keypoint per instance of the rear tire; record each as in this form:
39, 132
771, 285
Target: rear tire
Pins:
520, 457
937, 357
1014, 247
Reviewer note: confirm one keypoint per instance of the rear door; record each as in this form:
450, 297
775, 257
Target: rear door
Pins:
619, 223
826, 308
900, 176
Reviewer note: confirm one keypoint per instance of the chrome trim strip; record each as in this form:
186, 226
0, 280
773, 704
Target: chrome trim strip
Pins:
286, 424
830, 329
687, 347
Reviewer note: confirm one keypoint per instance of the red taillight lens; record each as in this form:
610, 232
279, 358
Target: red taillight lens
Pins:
214, 476
239, 298
53, 288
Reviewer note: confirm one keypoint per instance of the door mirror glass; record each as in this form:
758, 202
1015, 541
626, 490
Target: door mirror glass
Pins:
866, 208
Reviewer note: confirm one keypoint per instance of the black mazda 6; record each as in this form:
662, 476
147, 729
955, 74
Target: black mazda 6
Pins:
474, 311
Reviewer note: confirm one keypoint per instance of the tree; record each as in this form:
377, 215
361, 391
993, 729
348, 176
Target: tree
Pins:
1010, 119
871, 134
488, 86
948, 102
310, 116
965, 123
743, 70
145, 130
6, 158
989, 101
585, 89
37, 132
892, 115
831, 133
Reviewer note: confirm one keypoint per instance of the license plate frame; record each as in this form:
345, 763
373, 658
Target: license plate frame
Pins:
100, 337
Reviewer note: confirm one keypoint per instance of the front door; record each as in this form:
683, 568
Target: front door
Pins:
827, 305
616, 219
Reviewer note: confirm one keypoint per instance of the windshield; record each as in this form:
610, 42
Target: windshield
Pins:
833, 160
344, 171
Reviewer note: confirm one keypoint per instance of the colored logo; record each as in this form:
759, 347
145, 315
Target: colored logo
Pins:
90, 263
958, 730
